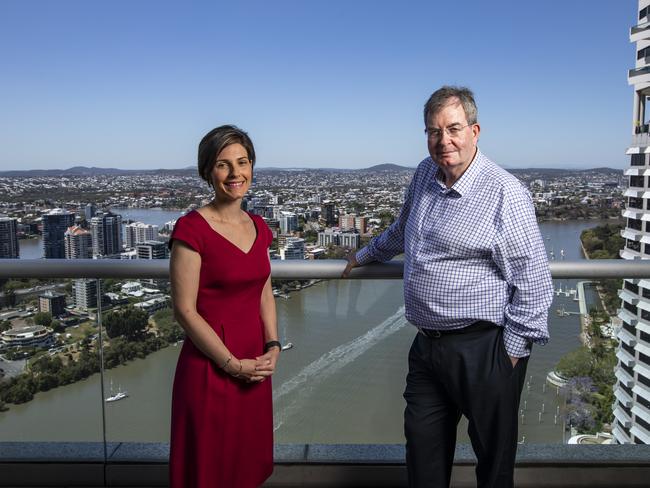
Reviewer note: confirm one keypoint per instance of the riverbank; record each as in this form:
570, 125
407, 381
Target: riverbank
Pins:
294, 285
585, 320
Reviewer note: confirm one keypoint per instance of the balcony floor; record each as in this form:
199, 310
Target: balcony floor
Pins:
145, 465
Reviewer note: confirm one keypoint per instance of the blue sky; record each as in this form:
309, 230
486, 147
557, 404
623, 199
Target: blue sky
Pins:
136, 84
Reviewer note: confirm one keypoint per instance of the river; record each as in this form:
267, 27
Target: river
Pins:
341, 383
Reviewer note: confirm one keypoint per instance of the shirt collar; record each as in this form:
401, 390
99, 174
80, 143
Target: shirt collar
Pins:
464, 184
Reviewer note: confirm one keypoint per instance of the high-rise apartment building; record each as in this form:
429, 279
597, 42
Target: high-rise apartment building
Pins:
138, 232
55, 223
288, 222
89, 211
78, 243
632, 389
106, 230
8, 238
84, 292
328, 213
152, 250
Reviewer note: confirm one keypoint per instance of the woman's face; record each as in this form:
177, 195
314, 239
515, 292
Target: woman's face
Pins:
232, 173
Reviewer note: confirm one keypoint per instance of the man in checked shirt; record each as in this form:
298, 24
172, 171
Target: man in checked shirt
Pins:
476, 285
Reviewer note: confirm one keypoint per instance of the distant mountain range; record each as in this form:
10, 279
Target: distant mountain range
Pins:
93, 171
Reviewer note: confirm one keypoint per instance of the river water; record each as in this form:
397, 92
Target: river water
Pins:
341, 383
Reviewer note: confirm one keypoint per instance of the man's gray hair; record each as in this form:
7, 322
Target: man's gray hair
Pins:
441, 97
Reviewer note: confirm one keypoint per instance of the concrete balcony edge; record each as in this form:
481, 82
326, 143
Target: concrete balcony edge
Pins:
145, 464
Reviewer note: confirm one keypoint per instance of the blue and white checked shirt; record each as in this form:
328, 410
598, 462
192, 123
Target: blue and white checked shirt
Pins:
472, 252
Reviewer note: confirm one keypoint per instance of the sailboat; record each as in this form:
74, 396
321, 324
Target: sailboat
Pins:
116, 396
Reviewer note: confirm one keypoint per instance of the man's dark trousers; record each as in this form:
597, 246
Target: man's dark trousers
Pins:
466, 373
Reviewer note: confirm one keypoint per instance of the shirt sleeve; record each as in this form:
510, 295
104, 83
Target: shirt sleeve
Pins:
389, 243
520, 255
186, 230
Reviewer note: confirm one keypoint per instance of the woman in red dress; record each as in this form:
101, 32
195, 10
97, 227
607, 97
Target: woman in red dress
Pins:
222, 419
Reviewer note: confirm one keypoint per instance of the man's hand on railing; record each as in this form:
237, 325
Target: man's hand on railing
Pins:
352, 263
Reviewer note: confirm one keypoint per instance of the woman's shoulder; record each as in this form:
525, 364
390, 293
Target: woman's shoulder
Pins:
192, 218
187, 229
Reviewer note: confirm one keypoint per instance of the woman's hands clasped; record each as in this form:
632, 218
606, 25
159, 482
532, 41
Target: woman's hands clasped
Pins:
254, 370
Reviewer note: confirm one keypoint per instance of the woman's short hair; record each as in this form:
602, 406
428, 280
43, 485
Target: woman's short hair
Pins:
216, 141
441, 97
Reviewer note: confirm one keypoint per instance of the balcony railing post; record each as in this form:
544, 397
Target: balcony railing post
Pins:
100, 330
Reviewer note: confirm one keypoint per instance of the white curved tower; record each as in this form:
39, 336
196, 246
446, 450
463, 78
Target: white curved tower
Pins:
632, 389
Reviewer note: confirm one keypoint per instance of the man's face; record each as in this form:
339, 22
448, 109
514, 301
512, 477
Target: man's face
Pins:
452, 149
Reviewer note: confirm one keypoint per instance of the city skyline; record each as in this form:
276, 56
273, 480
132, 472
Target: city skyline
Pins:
337, 85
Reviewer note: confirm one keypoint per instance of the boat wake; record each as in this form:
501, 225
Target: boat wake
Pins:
332, 361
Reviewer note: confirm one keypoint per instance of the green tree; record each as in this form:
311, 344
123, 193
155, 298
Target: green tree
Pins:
310, 236
57, 326
9, 290
387, 217
110, 285
43, 318
169, 330
577, 363
130, 323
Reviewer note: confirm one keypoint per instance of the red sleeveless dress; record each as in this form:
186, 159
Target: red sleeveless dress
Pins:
222, 428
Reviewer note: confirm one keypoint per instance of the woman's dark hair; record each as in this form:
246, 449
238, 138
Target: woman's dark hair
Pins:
216, 141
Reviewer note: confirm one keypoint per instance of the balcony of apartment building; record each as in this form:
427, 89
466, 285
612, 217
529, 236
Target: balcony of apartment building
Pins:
643, 24
633, 245
101, 458
641, 31
640, 137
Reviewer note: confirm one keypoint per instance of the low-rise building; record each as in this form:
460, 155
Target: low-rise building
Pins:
336, 237
32, 336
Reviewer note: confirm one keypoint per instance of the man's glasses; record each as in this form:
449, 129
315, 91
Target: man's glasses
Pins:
452, 131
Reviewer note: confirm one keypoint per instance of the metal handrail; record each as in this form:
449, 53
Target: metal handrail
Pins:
291, 270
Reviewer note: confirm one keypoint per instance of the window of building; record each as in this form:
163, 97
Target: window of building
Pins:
632, 308
629, 349
644, 359
637, 181
628, 411
626, 390
645, 336
632, 287
643, 401
628, 370
644, 380
643, 423
633, 202
635, 224
639, 159
629, 328
633, 245
643, 13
